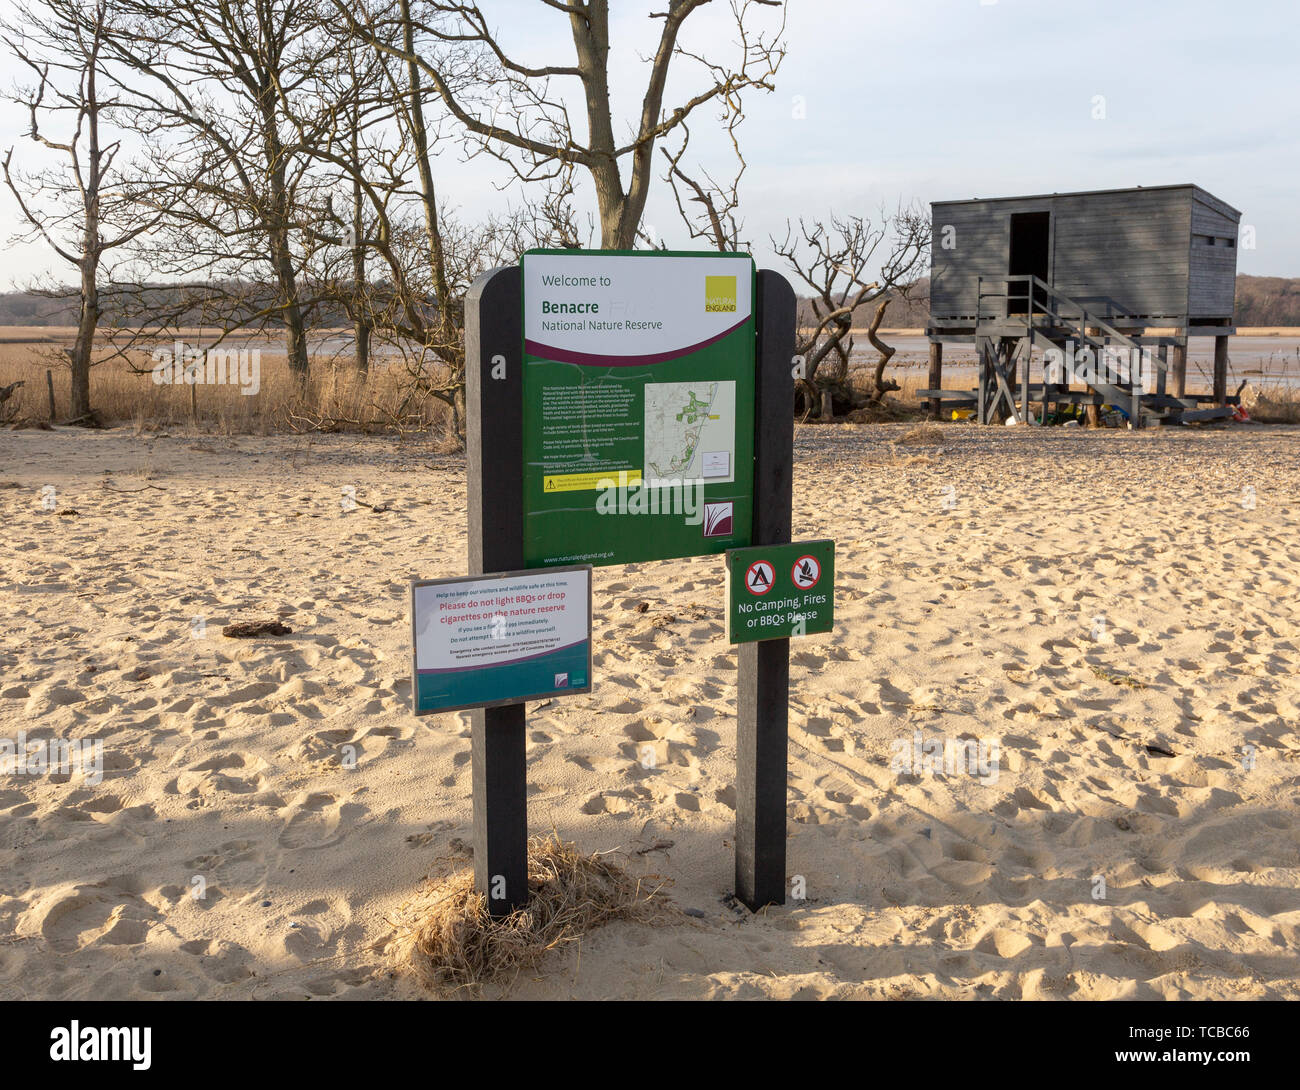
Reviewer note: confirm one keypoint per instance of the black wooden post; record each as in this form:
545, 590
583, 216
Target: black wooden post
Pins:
495, 494
763, 702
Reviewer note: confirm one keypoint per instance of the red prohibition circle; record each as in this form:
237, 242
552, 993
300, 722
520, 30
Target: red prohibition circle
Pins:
794, 572
762, 565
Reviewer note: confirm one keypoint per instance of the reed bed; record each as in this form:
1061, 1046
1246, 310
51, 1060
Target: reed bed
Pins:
335, 399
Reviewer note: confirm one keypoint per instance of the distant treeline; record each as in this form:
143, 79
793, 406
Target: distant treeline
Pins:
189, 306
185, 305
909, 311
1268, 300
1261, 301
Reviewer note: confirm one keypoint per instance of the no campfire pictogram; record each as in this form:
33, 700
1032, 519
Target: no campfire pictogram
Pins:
805, 573
758, 579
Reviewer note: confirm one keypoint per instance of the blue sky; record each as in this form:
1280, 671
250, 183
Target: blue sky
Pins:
939, 99
947, 99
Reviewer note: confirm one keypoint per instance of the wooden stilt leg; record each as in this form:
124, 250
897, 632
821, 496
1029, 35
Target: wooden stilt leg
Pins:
936, 376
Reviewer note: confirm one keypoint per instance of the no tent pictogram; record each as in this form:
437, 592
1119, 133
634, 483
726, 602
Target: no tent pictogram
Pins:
759, 577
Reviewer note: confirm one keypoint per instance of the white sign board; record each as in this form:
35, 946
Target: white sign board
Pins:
489, 640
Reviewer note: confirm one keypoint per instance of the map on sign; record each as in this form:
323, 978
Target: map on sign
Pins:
690, 430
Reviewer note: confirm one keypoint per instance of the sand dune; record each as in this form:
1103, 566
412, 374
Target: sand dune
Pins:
1117, 612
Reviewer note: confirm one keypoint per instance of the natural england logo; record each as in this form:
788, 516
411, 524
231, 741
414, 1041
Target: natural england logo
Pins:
189, 366
719, 293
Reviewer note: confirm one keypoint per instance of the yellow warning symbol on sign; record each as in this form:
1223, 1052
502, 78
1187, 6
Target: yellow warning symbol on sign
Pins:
590, 482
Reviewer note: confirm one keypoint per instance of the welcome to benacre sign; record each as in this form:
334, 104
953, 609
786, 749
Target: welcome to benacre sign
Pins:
620, 407
638, 399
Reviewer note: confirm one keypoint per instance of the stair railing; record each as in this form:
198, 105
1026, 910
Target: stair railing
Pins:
1085, 320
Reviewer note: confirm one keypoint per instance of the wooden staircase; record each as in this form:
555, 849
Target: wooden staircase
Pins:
1113, 368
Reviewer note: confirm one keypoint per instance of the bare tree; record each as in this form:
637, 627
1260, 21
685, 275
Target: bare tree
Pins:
509, 108
83, 208
716, 219
346, 128
210, 85
367, 128
834, 259
413, 260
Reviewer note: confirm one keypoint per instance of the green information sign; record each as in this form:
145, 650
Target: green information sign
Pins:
774, 591
638, 405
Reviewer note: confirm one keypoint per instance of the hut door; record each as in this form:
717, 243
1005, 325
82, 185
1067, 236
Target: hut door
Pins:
1030, 253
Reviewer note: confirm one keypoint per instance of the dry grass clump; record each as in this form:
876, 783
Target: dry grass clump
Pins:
923, 435
448, 939
1277, 407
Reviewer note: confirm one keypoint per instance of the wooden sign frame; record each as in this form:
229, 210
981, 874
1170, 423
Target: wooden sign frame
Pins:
494, 441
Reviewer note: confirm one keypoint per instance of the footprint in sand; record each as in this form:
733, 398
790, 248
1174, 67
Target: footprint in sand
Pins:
103, 913
236, 868
325, 746
222, 961
656, 743
619, 804
231, 773
319, 820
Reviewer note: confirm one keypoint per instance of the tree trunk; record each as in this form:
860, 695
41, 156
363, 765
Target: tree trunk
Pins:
428, 194
88, 318
361, 335
591, 43
879, 384
88, 321
361, 328
295, 331
281, 255
447, 332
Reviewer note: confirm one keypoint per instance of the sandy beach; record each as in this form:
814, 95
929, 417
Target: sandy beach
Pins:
1115, 613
